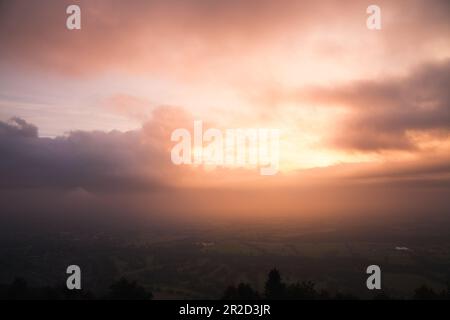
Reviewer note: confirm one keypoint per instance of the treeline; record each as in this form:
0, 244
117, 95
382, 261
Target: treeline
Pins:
275, 289
122, 289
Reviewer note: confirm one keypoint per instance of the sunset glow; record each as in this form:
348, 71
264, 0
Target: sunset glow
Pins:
341, 95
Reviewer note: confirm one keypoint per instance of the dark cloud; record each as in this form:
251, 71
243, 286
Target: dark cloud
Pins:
17, 127
383, 112
94, 161
380, 114
108, 175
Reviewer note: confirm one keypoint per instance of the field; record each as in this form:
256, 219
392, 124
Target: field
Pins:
201, 263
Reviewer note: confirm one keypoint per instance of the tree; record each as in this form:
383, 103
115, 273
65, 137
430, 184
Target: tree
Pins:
382, 295
445, 294
425, 293
302, 291
243, 292
126, 290
275, 289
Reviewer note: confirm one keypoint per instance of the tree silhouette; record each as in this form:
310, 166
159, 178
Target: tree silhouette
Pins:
382, 295
425, 293
126, 290
445, 294
302, 291
274, 289
243, 292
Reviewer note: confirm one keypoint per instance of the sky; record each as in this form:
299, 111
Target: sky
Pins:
364, 114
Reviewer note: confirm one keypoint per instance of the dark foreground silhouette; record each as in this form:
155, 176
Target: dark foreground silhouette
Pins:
119, 290
274, 289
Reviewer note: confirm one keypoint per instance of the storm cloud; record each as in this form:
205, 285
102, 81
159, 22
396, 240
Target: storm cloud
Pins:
384, 112
94, 161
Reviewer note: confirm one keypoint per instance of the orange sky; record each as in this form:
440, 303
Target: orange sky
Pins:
352, 101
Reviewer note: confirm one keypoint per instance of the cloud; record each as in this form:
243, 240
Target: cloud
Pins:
18, 127
135, 36
390, 113
197, 36
384, 112
234, 46
106, 175
94, 161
